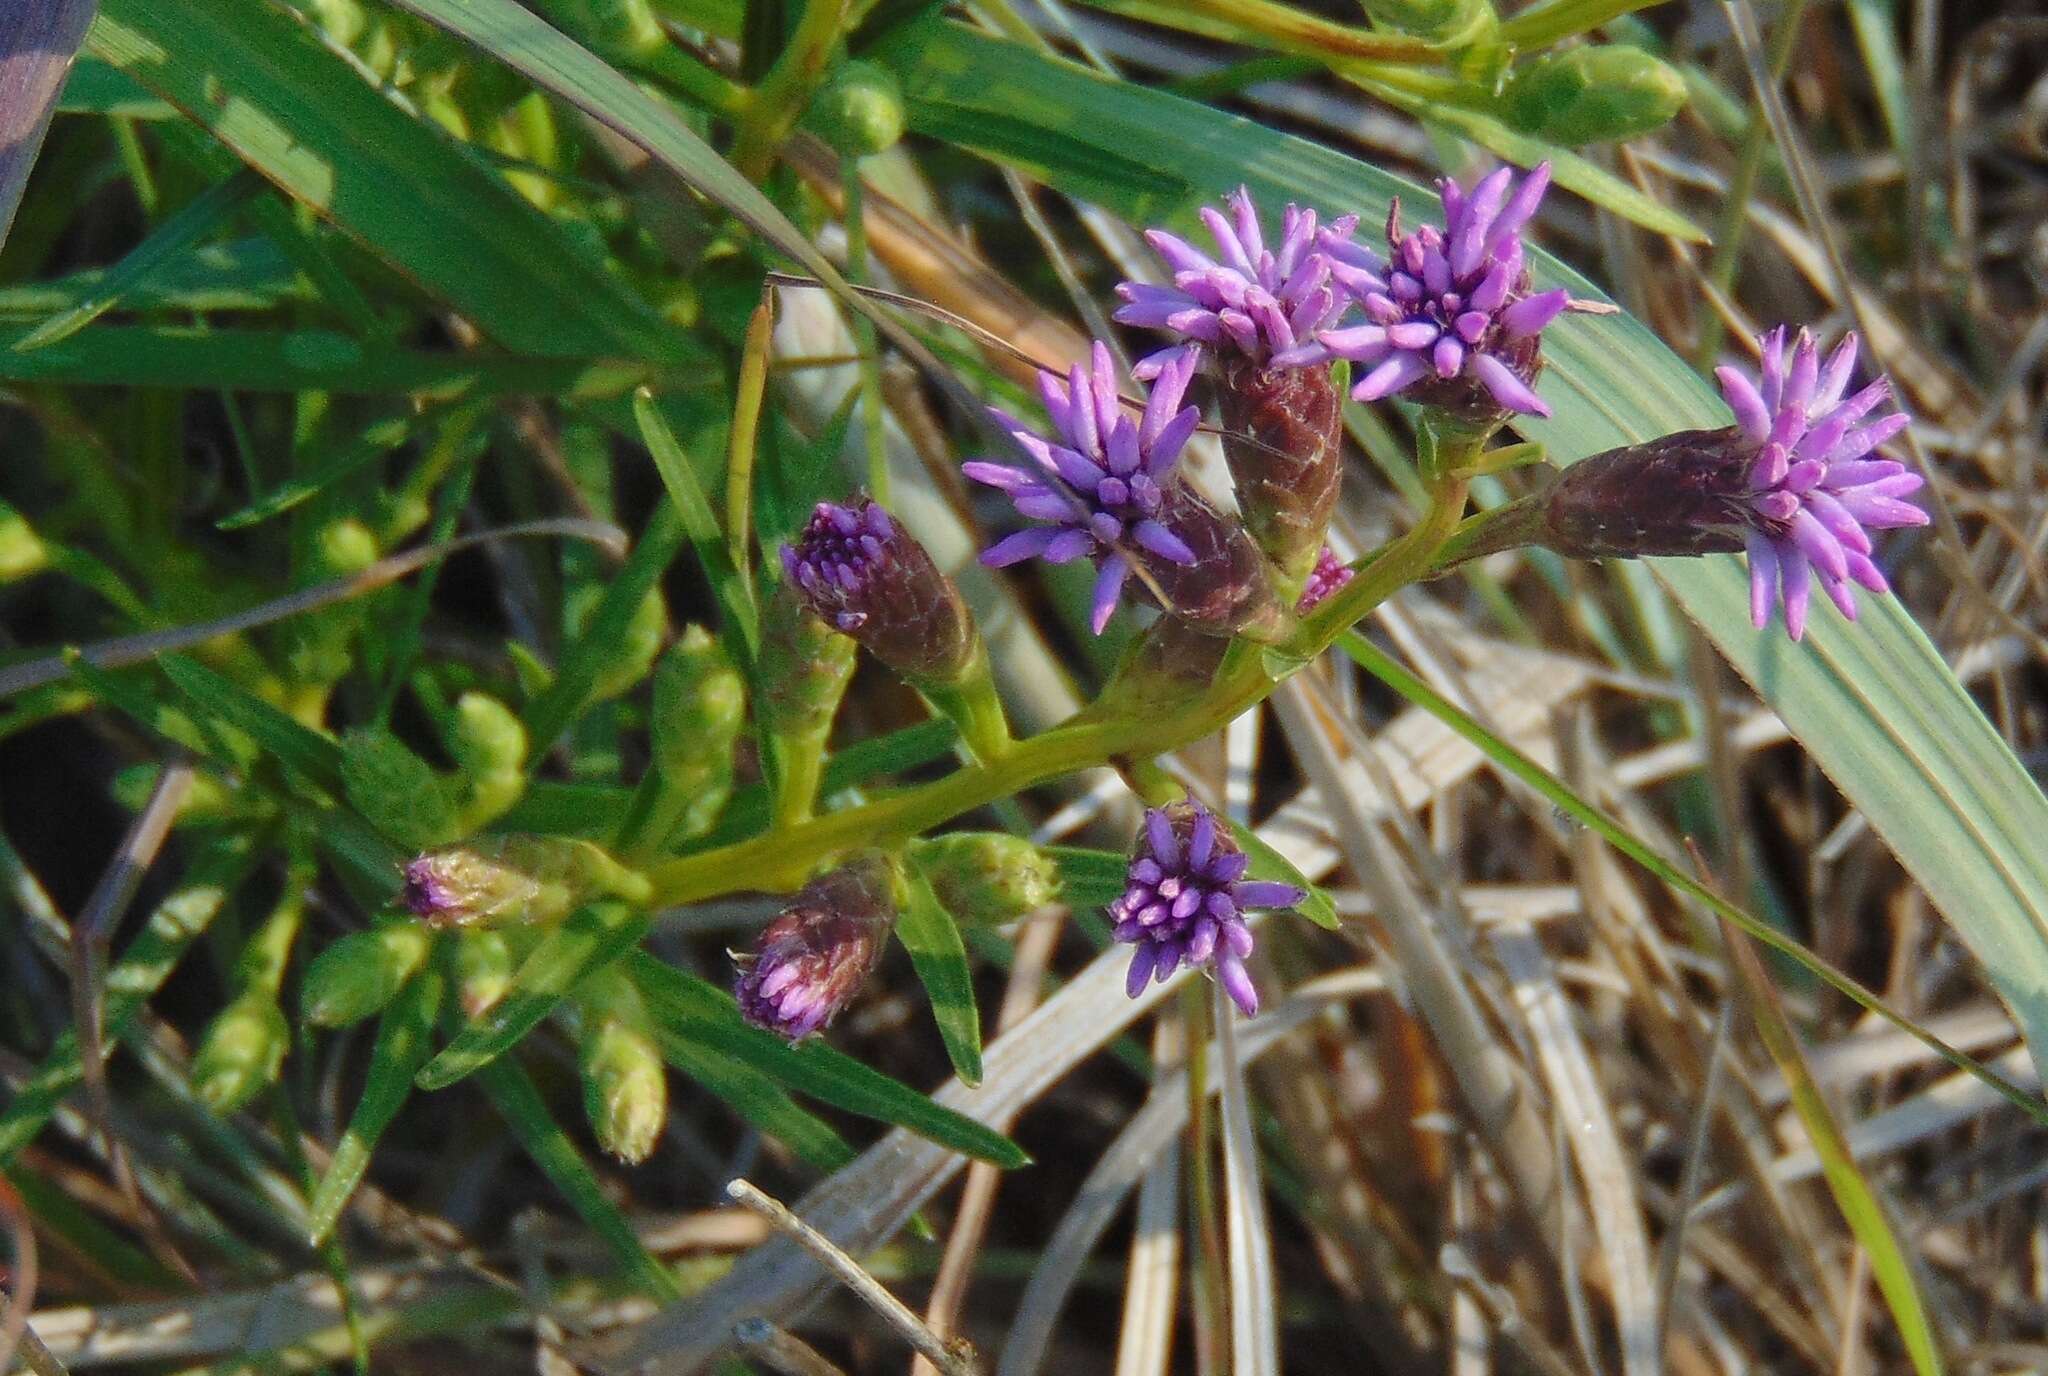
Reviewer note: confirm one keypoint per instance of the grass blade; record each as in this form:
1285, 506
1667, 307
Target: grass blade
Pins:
402, 1043
929, 933
693, 507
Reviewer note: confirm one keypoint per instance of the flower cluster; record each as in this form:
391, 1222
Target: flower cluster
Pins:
857, 570
1815, 491
1184, 902
814, 957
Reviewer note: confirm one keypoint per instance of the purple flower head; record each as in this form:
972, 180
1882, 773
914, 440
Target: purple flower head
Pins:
863, 574
1184, 901
1816, 490
813, 958
427, 892
1254, 303
1450, 319
1329, 574
1102, 489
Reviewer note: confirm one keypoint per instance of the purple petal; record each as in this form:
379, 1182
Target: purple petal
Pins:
1069, 545
1796, 573
1507, 389
1529, 315
1109, 586
1142, 960
1178, 253
1014, 549
1389, 377
1159, 835
1834, 379
1230, 972
1819, 544
1763, 578
1520, 208
1266, 893
1155, 537
1746, 402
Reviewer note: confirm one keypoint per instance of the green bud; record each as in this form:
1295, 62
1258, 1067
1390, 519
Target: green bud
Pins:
516, 879
343, 20
241, 1052
987, 877
22, 551
634, 653
1447, 23
625, 1087
346, 546
396, 790
699, 707
612, 27
489, 742
357, 975
484, 965
1594, 94
859, 109
804, 669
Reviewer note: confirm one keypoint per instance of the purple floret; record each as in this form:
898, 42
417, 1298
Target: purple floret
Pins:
1185, 899
1100, 490
1446, 302
837, 557
1816, 489
1249, 301
1329, 574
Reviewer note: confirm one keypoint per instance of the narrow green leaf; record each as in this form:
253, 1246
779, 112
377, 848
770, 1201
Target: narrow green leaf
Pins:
239, 275
312, 756
133, 979
212, 208
1089, 878
402, 1043
705, 1012
520, 1105
588, 939
1268, 863
931, 936
376, 440
1862, 1210
577, 674
693, 506
755, 1097
264, 84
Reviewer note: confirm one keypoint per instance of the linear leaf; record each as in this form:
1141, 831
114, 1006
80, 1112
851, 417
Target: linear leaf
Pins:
263, 84
587, 939
1268, 863
931, 936
706, 1012
755, 1097
402, 1043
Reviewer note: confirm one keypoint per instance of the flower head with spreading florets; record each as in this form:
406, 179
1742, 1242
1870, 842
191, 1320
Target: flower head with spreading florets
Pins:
1815, 489
1450, 319
858, 570
1101, 489
1249, 301
1184, 901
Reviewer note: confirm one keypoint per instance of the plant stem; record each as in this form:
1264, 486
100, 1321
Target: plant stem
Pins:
773, 108
785, 856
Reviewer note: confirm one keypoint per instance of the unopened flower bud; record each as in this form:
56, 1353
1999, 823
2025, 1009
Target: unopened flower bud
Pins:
625, 1086
812, 959
523, 879
489, 741
484, 966
1594, 94
241, 1051
633, 654
859, 570
698, 710
859, 110
1685, 493
1447, 22
346, 546
804, 668
22, 551
1184, 902
396, 790
360, 973
1330, 574
987, 877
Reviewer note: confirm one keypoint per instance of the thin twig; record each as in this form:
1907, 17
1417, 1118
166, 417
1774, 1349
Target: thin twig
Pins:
954, 1359
784, 1351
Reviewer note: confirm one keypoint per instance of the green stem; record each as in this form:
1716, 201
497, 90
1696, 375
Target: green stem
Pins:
972, 704
773, 108
785, 856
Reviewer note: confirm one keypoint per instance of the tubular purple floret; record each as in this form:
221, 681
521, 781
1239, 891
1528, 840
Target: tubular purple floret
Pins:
1450, 320
1329, 574
1106, 489
1185, 900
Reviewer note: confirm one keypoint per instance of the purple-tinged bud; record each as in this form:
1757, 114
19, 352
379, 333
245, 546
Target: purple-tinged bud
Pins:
1106, 490
1282, 424
858, 570
1184, 901
1793, 482
812, 959
1450, 320
523, 879
1329, 574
